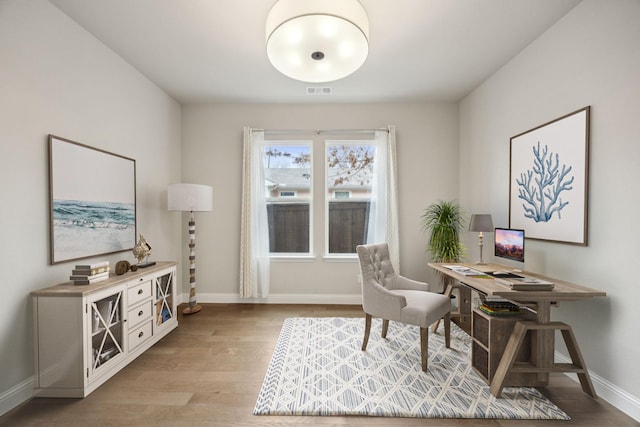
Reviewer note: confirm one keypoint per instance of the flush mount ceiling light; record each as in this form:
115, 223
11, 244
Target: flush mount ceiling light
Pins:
317, 40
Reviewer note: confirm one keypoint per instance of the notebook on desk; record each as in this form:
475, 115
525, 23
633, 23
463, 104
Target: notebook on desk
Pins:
525, 283
466, 271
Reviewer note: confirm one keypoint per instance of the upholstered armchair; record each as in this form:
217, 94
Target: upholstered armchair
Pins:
389, 296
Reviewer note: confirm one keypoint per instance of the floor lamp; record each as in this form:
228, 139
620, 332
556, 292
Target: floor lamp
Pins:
190, 198
480, 223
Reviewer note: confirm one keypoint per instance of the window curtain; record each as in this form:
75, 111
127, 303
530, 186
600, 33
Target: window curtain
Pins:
383, 211
254, 229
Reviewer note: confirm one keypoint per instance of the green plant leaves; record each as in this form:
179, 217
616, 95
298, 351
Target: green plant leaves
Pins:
444, 221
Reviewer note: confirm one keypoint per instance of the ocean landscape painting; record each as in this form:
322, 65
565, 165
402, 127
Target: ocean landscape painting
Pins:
93, 209
101, 227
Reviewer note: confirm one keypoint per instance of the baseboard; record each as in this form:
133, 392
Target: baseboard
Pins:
341, 299
613, 394
16, 395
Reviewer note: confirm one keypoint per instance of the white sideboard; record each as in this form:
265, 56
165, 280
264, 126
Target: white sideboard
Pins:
83, 335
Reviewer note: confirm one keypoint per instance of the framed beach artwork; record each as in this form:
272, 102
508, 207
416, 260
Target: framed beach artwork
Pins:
549, 177
92, 197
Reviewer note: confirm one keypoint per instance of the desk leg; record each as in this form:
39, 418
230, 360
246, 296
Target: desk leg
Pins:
516, 339
578, 361
508, 358
543, 348
464, 308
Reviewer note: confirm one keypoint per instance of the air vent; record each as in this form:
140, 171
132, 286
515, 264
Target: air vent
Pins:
318, 91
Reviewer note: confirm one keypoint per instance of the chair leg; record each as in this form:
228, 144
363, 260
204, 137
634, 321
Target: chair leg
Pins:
367, 329
424, 346
385, 327
447, 330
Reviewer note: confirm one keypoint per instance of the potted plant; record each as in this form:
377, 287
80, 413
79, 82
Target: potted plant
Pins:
444, 221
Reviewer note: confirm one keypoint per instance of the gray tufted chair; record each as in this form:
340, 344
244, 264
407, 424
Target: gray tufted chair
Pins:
387, 295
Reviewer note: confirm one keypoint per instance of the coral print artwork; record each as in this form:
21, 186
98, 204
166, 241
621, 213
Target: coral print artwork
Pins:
548, 185
541, 187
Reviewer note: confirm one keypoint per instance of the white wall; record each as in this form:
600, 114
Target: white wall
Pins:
590, 57
55, 78
427, 136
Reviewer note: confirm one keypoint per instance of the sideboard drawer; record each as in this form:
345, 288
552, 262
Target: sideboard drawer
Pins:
140, 313
138, 293
140, 335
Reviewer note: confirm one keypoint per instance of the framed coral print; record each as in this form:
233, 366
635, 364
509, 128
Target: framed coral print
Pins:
548, 183
92, 200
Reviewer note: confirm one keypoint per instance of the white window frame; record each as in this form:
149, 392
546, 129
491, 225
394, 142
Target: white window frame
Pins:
328, 256
294, 199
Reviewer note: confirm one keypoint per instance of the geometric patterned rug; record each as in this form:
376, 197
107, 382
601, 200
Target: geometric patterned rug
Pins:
317, 368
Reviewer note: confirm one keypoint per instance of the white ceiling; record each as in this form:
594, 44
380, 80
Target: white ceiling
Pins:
202, 51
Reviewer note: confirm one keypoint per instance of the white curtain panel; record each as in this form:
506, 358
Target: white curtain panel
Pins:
254, 233
383, 213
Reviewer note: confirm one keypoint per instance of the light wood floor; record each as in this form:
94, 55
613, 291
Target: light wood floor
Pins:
208, 372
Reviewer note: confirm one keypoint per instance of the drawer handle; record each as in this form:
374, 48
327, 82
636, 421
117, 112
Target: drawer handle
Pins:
140, 291
140, 313
140, 334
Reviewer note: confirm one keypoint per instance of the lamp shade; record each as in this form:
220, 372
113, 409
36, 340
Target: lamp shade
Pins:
481, 222
317, 40
189, 197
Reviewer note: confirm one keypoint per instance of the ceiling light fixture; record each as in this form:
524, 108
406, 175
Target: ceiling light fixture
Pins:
317, 40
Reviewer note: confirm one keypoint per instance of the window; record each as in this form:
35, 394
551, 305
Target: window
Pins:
349, 174
374, 188
287, 172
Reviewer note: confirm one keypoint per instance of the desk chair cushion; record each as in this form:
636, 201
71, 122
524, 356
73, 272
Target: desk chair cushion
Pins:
423, 308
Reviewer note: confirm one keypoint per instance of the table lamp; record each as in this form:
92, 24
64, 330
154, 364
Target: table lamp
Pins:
190, 198
480, 223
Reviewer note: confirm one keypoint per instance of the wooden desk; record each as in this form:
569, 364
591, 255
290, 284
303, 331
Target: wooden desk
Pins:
542, 329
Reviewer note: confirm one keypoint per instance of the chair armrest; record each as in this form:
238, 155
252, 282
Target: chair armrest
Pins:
404, 283
381, 302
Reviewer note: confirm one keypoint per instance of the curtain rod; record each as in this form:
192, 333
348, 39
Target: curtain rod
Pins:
318, 131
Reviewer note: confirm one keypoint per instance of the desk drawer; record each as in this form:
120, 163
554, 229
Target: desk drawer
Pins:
480, 360
480, 329
140, 335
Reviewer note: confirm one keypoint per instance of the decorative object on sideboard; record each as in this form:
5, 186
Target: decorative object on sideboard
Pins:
190, 198
122, 267
481, 223
100, 210
317, 40
142, 250
88, 274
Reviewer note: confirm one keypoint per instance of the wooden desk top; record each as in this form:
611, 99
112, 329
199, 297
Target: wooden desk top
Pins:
563, 291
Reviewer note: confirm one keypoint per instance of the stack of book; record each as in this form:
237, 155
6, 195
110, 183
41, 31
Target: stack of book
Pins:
87, 274
499, 308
